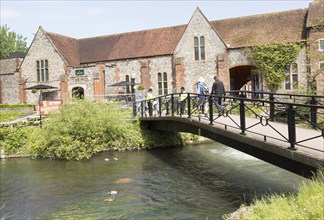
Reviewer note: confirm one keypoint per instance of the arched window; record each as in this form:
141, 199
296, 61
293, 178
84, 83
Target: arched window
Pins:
42, 71
291, 73
202, 48
160, 90
78, 93
165, 83
199, 48
294, 75
196, 48
162, 83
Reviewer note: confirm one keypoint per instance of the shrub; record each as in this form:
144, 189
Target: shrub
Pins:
83, 129
13, 140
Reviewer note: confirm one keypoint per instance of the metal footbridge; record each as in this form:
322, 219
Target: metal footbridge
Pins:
285, 130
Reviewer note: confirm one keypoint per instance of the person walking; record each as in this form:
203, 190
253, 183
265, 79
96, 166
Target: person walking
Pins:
182, 100
201, 90
218, 89
149, 97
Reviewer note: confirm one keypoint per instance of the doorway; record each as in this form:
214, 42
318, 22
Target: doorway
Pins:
78, 93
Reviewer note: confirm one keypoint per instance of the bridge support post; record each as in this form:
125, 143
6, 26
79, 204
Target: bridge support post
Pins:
172, 106
189, 106
211, 113
272, 107
291, 127
142, 109
160, 106
242, 117
313, 112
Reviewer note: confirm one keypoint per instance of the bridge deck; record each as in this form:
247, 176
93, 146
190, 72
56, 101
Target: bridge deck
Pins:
273, 133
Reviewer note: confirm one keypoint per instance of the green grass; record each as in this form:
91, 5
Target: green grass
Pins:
308, 203
10, 115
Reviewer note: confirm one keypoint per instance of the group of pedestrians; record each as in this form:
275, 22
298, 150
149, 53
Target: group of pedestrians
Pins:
218, 90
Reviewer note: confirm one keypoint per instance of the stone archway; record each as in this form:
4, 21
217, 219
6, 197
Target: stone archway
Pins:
78, 93
242, 76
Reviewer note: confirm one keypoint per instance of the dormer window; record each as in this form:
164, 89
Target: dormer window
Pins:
42, 71
199, 48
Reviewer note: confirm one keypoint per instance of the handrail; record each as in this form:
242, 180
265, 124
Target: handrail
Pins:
266, 111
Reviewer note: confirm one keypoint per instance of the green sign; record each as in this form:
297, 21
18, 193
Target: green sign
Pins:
79, 72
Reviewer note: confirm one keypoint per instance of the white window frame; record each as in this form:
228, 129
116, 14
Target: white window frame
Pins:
320, 63
319, 44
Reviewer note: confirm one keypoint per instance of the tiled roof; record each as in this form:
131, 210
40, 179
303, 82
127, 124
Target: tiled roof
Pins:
146, 43
268, 28
287, 26
67, 46
316, 13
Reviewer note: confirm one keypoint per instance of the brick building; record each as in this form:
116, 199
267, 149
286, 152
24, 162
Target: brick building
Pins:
168, 58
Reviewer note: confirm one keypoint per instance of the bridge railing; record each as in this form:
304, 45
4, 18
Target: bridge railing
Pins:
290, 110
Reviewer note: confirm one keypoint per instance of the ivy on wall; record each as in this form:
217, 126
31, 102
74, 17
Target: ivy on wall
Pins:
272, 59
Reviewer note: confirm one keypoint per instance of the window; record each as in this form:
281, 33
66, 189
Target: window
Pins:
162, 83
42, 71
165, 83
202, 48
321, 44
321, 64
196, 46
199, 48
291, 79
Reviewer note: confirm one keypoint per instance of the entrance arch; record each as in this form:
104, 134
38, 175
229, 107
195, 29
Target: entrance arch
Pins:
243, 76
78, 93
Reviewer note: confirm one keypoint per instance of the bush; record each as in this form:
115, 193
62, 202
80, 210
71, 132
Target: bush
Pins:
13, 140
83, 129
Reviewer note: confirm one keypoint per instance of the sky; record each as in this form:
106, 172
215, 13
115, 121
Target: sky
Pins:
83, 19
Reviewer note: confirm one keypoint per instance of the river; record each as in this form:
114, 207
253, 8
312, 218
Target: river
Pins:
201, 181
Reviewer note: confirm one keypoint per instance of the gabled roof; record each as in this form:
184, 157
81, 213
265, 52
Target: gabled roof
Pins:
316, 13
147, 43
68, 47
267, 28
283, 27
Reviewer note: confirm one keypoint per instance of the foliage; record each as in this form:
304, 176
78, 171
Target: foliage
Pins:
272, 60
83, 129
307, 204
16, 105
13, 140
6, 116
140, 87
11, 42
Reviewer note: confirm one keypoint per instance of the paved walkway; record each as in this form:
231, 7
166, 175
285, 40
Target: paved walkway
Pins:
33, 116
274, 132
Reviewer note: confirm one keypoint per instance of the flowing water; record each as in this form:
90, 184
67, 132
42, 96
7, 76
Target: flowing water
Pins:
202, 181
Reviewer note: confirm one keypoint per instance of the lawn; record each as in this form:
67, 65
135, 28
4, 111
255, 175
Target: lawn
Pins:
10, 115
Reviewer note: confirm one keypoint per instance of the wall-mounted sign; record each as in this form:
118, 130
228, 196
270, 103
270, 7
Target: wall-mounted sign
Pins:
79, 72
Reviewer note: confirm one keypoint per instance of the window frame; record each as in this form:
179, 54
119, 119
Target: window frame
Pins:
42, 70
319, 44
321, 63
199, 45
162, 83
291, 76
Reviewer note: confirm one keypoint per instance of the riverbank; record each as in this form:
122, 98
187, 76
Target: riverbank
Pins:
307, 203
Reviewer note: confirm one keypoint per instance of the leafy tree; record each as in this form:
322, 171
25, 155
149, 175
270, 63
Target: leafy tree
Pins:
11, 42
272, 60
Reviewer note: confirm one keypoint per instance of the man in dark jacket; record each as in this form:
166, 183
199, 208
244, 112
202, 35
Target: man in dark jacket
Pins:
218, 89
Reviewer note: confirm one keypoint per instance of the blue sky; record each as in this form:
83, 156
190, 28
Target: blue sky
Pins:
81, 19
